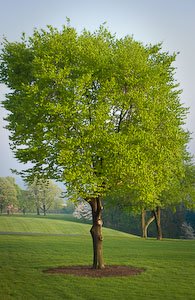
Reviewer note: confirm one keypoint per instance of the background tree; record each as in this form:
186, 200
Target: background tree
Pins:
34, 194
24, 201
187, 231
8, 194
3, 193
181, 191
68, 207
83, 211
44, 193
96, 112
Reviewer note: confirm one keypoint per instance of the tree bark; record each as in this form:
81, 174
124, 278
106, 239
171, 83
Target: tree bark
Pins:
38, 211
44, 209
158, 222
143, 221
96, 233
145, 224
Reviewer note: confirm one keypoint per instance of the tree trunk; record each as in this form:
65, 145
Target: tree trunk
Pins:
143, 220
145, 224
38, 211
96, 233
44, 209
158, 222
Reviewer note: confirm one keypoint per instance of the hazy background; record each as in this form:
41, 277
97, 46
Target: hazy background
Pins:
150, 21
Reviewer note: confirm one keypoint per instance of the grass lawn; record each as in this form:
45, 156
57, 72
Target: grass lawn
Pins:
50, 224
169, 264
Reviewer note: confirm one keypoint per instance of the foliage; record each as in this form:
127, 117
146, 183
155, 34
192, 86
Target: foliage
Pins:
8, 194
175, 200
126, 220
69, 207
190, 217
181, 190
44, 194
119, 219
97, 112
23, 202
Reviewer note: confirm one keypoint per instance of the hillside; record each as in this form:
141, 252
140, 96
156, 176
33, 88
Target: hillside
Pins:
51, 226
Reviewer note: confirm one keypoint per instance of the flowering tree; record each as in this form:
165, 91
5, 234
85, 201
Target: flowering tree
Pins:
83, 211
188, 231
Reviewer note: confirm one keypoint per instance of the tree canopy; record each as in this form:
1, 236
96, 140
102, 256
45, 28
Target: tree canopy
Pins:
94, 111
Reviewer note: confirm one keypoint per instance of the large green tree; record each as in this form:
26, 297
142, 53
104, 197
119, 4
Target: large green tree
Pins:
96, 112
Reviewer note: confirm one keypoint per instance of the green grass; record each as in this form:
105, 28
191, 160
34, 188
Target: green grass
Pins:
169, 264
51, 224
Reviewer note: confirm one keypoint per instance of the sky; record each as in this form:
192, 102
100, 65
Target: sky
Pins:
149, 21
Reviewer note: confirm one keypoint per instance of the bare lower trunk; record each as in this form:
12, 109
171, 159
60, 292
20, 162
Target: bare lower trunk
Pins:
96, 233
158, 222
143, 220
145, 224
44, 209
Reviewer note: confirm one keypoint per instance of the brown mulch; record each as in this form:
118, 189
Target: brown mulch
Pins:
108, 271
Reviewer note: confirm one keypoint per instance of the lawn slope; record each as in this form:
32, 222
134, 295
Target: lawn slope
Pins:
49, 225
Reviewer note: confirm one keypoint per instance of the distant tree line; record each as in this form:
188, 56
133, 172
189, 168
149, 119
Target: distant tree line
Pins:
40, 196
177, 223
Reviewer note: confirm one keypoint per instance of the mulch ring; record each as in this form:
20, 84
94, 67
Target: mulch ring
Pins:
108, 271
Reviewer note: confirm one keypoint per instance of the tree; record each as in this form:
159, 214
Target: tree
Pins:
82, 211
99, 113
34, 194
145, 224
25, 202
3, 193
8, 194
188, 231
68, 207
44, 194
180, 191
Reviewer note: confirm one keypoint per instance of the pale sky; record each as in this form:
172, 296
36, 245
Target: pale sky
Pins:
149, 21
